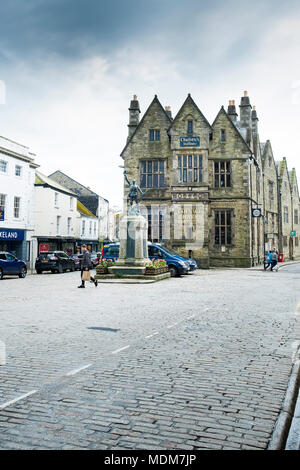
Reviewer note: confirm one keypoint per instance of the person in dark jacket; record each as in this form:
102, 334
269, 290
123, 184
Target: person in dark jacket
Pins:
274, 259
86, 265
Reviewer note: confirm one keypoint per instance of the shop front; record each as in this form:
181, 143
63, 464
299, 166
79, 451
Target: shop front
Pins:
92, 245
68, 245
13, 241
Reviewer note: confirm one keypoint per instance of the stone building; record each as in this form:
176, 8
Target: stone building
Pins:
212, 191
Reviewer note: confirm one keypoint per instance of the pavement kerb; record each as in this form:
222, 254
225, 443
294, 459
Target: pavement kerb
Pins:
283, 423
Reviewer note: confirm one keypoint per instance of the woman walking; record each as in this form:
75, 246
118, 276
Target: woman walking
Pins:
86, 265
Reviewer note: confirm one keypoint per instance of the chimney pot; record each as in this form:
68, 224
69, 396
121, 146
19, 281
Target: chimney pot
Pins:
245, 93
134, 97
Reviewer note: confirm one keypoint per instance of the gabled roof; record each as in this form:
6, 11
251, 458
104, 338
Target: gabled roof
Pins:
189, 99
42, 180
155, 100
222, 111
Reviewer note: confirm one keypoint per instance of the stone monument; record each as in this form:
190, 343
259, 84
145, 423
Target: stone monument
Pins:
133, 255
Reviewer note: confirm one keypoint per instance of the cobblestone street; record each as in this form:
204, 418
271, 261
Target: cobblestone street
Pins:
197, 362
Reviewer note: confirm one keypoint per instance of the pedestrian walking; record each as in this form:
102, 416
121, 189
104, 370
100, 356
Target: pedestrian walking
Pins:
86, 265
267, 261
274, 259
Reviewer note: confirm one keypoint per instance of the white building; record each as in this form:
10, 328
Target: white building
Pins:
17, 175
55, 216
87, 229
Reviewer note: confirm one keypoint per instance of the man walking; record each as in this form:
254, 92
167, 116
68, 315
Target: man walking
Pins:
274, 259
86, 264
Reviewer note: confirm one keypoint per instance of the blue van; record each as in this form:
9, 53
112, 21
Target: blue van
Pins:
177, 265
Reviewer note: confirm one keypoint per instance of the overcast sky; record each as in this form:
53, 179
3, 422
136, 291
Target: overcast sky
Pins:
71, 67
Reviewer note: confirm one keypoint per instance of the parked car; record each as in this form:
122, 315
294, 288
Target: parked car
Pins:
191, 262
176, 264
10, 265
95, 259
77, 259
54, 261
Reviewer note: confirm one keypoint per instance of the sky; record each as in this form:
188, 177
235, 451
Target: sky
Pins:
68, 70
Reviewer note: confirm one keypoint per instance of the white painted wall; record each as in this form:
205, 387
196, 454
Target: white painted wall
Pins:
48, 207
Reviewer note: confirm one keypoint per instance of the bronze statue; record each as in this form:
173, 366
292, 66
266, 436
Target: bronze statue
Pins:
134, 191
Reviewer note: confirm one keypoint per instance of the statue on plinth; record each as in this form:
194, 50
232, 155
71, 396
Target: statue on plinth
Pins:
133, 195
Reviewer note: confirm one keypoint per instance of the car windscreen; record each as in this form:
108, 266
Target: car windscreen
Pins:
43, 256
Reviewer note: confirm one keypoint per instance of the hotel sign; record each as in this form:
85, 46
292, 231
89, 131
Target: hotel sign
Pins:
2, 215
189, 141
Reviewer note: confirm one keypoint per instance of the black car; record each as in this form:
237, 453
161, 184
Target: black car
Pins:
54, 261
10, 265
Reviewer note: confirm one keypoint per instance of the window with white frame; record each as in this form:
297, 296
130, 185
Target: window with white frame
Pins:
90, 228
56, 199
95, 229
58, 224
2, 202
71, 203
18, 170
69, 225
17, 202
83, 227
3, 166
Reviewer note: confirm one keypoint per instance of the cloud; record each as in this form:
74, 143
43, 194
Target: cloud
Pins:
70, 69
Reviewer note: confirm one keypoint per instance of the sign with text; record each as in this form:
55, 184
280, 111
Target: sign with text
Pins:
44, 247
189, 141
293, 233
2, 215
8, 234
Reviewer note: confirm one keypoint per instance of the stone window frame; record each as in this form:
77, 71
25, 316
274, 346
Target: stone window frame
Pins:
223, 135
296, 216
226, 173
190, 126
190, 166
227, 241
284, 241
149, 173
154, 135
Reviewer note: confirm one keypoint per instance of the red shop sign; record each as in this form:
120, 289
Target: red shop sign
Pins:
44, 247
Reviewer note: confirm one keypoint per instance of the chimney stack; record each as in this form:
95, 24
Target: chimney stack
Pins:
168, 111
245, 111
254, 120
232, 111
134, 116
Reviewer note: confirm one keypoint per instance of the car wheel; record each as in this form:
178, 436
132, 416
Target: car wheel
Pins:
60, 269
173, 271
38, 271
1, 274
22, 273
72, 268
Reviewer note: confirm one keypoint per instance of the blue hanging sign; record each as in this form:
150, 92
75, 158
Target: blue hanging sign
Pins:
189, 141
2, 215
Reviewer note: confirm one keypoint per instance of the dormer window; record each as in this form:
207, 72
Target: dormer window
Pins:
190, 127
154, 135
